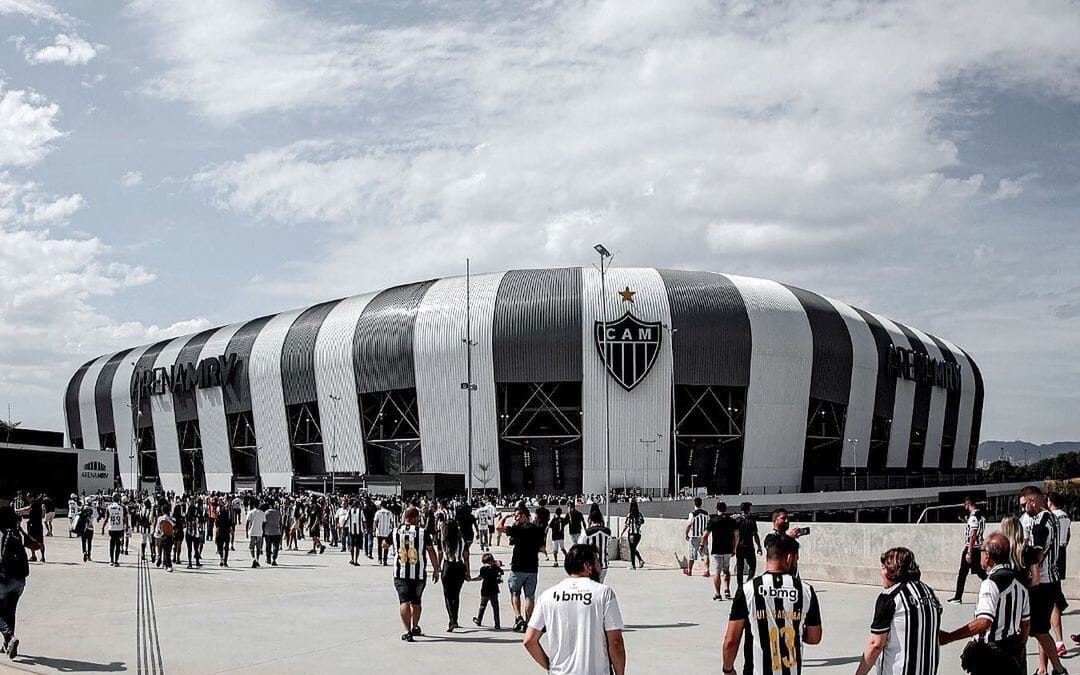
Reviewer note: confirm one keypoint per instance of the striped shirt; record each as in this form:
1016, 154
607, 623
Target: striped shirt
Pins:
634, 523
598, 537
410, 547
1004, 600
975, 523
910, 614
1041, 532
698, 520
384, 522
355, 520
775, 608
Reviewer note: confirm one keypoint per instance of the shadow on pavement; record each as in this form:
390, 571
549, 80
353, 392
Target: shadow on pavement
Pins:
835, 661
70, 666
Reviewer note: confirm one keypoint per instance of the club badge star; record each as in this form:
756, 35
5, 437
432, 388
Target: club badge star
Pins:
627, 294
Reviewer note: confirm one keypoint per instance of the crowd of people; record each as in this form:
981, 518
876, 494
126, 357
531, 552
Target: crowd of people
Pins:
772, 615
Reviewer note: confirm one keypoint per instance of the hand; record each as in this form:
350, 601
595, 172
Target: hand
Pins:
759, 550
943, 637
967, 557
435, 577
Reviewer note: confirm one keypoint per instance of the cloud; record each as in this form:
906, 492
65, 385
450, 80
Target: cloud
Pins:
27, 127
131, 178
35, 10
71, 50
27, 203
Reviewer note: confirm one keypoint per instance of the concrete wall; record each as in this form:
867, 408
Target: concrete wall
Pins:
844, 552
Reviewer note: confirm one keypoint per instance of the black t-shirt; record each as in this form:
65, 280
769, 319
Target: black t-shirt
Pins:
527, 540
576, 521
557, 524
747, 530
490, 578
721, 529
466, 524
542, 516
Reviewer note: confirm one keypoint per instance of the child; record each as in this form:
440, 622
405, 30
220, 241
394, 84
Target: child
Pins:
557, 525
491, 577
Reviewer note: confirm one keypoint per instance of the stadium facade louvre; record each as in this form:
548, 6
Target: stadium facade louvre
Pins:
736, 383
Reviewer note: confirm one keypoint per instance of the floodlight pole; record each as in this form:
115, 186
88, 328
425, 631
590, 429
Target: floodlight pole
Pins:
468, 384
604, 254
854, 463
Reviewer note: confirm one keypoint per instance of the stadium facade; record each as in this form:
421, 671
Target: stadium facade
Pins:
734, 383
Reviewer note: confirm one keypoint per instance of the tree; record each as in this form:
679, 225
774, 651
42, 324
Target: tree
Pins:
485, 475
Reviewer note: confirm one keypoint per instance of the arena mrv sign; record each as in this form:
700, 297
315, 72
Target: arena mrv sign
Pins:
180, 377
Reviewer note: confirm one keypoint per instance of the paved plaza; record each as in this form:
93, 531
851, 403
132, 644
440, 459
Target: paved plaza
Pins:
316, 613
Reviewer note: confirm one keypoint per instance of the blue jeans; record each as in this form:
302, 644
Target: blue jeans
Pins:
10, 590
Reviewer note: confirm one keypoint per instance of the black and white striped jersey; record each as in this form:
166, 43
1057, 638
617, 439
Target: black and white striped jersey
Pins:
598, 537
634, 523
410, 549
775, 608
975, 522
1004, 599
910, 614
1041, 532
384, 522
355, 521
698, 520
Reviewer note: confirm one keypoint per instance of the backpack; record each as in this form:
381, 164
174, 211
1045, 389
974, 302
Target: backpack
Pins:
167, 528
13, 561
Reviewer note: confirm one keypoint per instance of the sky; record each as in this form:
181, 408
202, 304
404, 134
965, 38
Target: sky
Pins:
166, 167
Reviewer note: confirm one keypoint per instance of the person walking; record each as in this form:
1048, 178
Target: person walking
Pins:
369, 527
485, 525
466, 523
490, 577
194, 531
164, 528
907, 619
970, 556
50, 514
84, 528
598, 536
14, 570
1041, 532
35, 526
116, 521
632, 530
413, 550
749, 543
384, 530
696, 523
527, 539
582, 619
1054, 502
253, 523
272, 533
778, 610
725, 539
354, 530
575, 523
454, 572
223, 526
1002, 615
557, 525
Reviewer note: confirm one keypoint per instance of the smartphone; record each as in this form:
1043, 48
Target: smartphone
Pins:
803, 531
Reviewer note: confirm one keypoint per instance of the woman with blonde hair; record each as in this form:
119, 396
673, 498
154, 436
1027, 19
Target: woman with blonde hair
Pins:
1018, 558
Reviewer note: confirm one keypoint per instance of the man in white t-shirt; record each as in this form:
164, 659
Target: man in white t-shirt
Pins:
582, 619
1054, 502
256, 517
116, 517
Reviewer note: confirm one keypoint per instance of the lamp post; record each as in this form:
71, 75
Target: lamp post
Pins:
648, 442
604, 256
674, 438
468, 385
333, 451
854, 462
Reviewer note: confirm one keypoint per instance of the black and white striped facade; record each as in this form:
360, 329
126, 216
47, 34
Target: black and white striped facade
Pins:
740, 370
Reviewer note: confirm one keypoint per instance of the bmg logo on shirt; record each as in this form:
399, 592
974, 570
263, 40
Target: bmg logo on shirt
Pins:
584, 597
789, 594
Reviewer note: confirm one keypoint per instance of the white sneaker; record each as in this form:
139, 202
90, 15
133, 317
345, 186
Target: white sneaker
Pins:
13, 648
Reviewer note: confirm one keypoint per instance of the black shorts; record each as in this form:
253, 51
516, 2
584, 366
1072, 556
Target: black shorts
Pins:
356, 540
1042, 605
409, 590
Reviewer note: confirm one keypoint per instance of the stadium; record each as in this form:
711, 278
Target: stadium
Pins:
543, 381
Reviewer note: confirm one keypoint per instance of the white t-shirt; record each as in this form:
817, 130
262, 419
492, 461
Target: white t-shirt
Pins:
255, 520
577, 613
115, 513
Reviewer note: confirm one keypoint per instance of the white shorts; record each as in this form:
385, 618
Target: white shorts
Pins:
557, 545
693, 549
720, 562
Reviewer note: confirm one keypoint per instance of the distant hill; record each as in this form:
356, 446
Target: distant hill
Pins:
1014, 451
